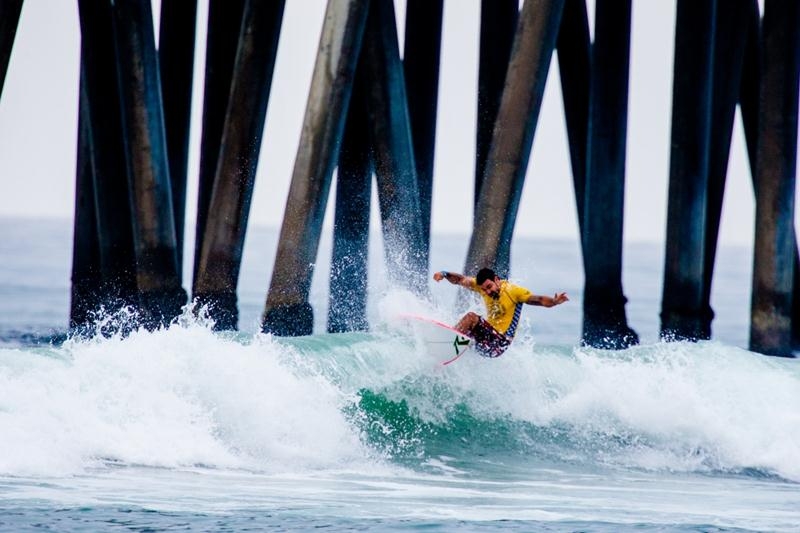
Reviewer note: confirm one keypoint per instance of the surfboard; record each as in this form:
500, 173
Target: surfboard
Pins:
439, 339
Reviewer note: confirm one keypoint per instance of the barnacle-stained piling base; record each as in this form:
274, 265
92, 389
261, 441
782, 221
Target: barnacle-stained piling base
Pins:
159, 308
222, 307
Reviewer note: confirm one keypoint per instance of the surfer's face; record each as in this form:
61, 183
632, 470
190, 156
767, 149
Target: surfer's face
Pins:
491, 287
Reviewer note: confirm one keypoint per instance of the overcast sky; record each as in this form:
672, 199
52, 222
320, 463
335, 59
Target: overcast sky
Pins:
38, 125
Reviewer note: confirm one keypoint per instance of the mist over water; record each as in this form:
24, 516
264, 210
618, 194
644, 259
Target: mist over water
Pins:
338, 429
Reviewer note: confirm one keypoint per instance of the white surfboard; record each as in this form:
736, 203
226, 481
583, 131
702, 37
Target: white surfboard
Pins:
439, 339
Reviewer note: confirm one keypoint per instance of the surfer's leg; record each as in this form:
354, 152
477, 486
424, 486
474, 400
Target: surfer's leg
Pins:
467, 322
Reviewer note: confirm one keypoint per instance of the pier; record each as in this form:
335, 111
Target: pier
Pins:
370, 123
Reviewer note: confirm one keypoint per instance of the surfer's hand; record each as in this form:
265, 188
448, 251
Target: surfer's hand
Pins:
560, 298
438, 276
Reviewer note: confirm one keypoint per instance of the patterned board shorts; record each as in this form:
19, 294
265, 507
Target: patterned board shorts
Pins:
488, 341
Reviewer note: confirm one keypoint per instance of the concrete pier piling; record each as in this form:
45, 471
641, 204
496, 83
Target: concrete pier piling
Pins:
157, 278
775, 240
85, 275
748, 85
512, 137
389, 119
393, 151
347, 309
729, 48
176, 64
107, 152
287, 310
498, 26
748, 105
574, 48
222, 39
604, 322
9, 20
422, 49
229, 206
683, 315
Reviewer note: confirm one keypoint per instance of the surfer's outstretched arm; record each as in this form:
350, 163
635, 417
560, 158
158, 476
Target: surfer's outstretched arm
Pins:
454, 278
547, 301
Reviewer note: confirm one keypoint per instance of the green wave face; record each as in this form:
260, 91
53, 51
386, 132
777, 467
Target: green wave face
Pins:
399, 432
669, 406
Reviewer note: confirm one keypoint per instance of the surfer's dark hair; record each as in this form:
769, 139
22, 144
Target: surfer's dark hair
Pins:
484, 274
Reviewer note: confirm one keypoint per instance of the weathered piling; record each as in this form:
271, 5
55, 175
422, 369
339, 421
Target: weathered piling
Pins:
513, 135
287, 310
498, 25
748, 85
683, 315
423, 42
176, 63
107, 152
85, 246
229, 207
604, 322
729, 48
224, 23
775, 241
748, 105
9, 20
574, 48
393, 152
349, 258
157, 278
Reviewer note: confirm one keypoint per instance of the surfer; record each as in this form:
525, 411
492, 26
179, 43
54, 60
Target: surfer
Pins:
503, 301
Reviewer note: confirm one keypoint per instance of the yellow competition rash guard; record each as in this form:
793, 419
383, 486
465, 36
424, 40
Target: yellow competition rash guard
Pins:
504, 312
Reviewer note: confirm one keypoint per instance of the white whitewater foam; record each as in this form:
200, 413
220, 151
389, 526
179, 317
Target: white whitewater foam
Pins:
674, 406
176, 397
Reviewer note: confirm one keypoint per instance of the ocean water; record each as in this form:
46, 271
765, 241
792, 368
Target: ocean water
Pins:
187, 429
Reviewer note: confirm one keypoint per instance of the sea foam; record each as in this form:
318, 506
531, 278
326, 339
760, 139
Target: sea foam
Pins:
174, 397
187, 396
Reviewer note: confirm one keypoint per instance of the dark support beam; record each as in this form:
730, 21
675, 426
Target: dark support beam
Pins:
223, 240
574, 48
510, 150
176, 62
287, 310
349, 262
423, 43
85, 246
683, 316
775, 241
157, 278
748, 105
393, 152
498, 24
604, 322
112, 201
748, 86
224, 23
9, 20
729, 48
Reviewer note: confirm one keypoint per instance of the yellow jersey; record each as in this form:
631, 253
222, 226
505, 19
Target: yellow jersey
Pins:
504, 311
